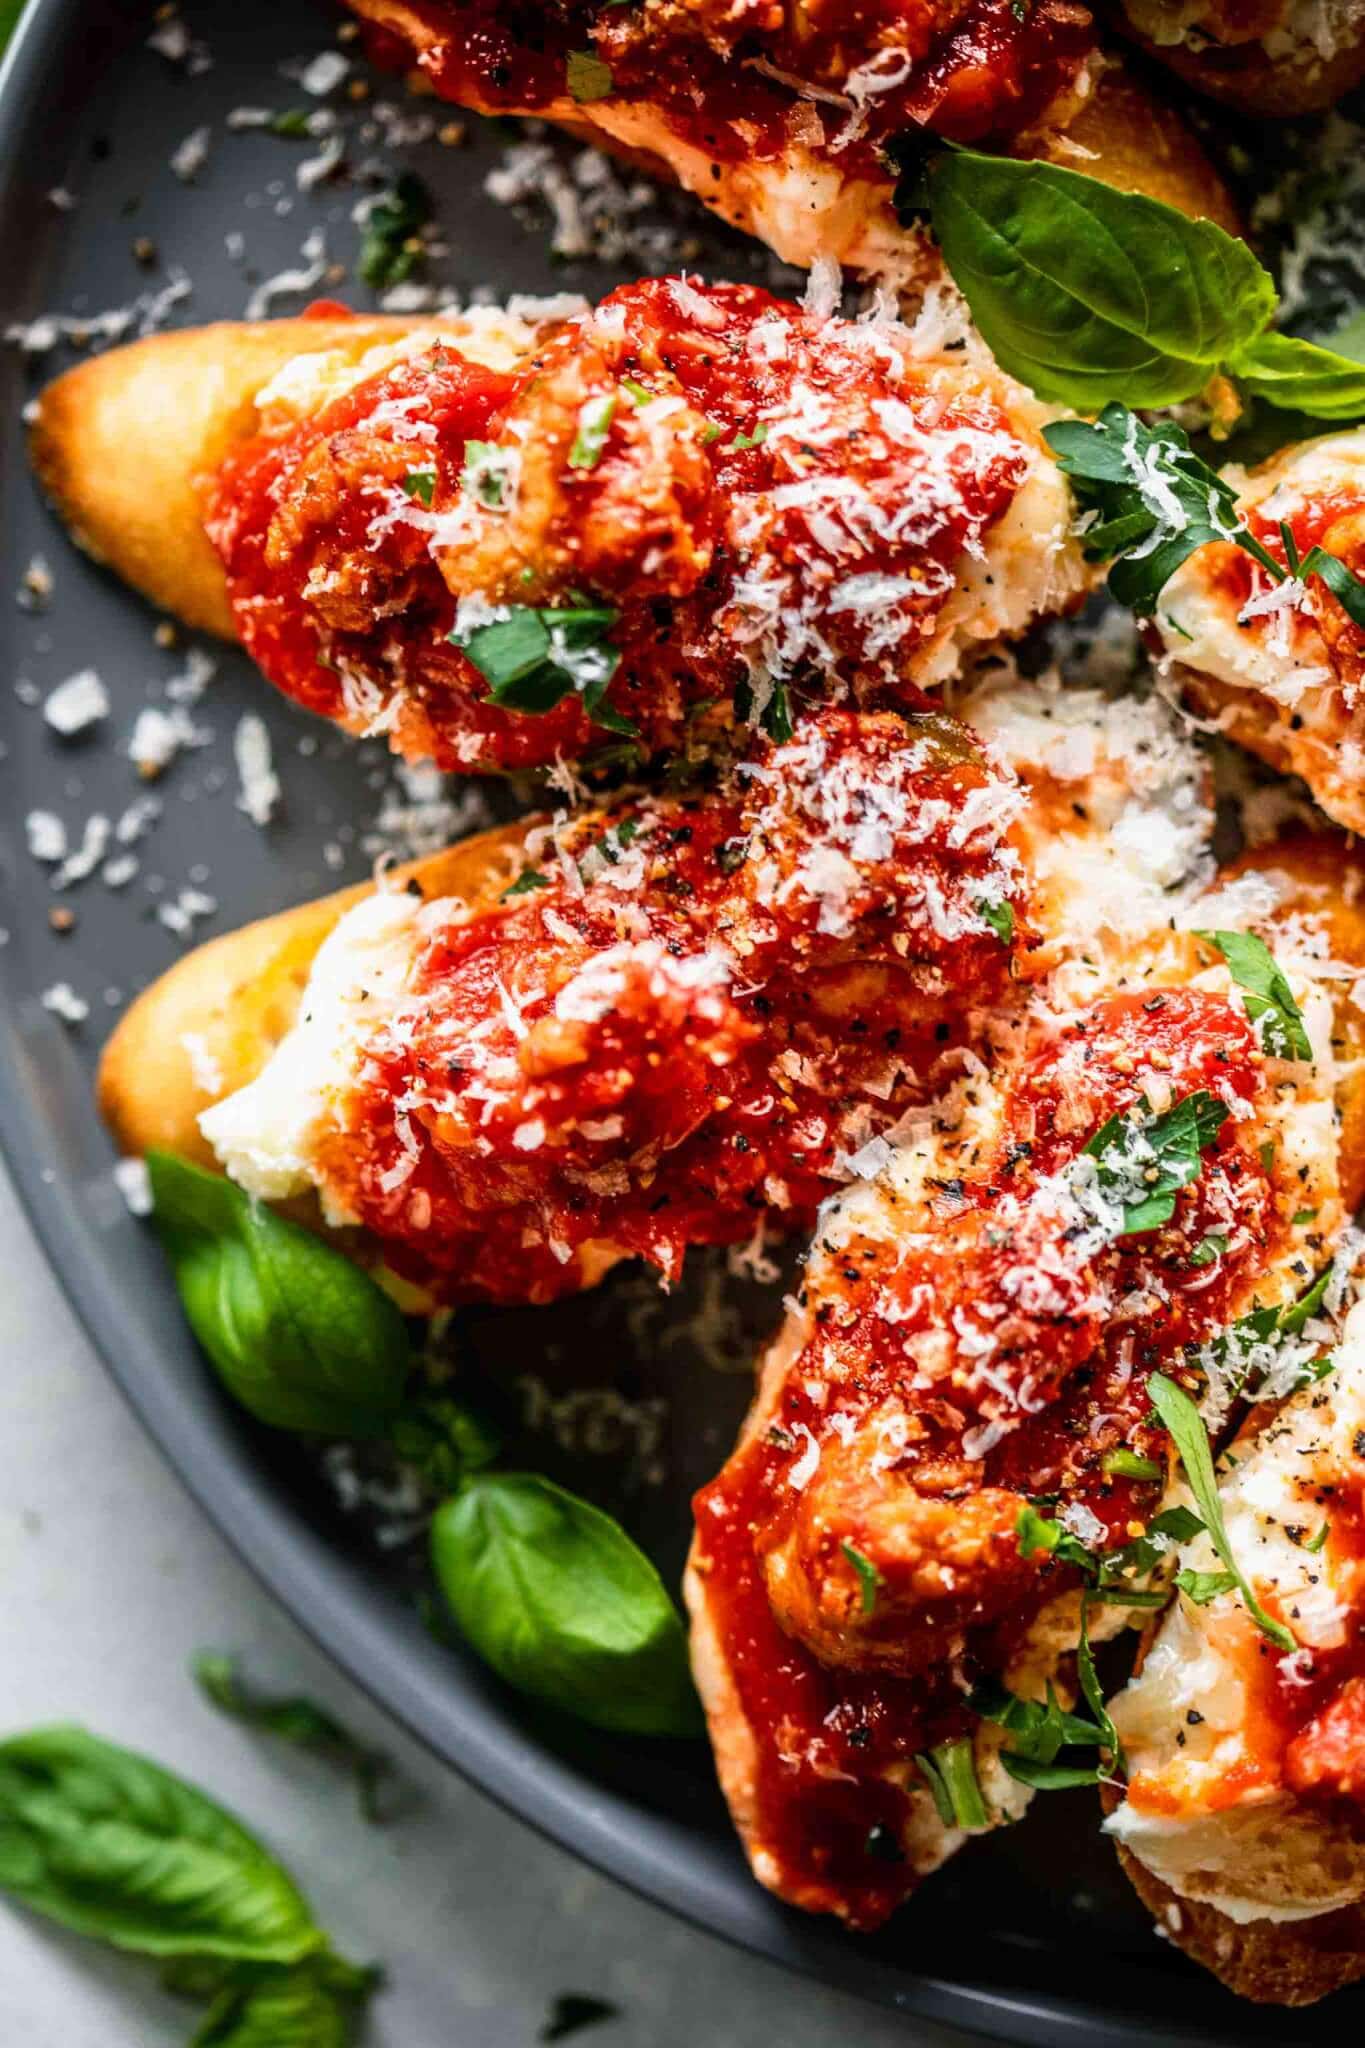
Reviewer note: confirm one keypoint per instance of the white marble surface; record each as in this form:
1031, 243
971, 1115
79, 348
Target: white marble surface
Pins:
110, 1577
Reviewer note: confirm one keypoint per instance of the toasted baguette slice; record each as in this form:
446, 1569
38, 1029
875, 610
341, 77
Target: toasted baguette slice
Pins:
181, 401
223, 1008
803, 203
1275, 74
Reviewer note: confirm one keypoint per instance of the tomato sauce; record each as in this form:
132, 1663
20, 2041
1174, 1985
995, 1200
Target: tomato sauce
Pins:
728, 80
890, 1434
688, 1013
774, 499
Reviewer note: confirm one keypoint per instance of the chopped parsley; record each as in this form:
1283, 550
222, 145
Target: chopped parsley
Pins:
421, 484
1144, 1160
869, 1578
586, 76
391, 247
1041, 1730
1125, 1464
489, 474
1152, 501
1191, 1439
595, 416
533, 657
1210, 1248
1269, 1000
1201, 1587
1315, 1543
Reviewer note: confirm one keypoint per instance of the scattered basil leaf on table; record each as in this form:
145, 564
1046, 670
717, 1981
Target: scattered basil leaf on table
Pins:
111, 1845
300, 2008
1191, 1440
299, 1334
294, 1719
1090, 295
555, 1596
574, 2010
390, 249
1270, 1001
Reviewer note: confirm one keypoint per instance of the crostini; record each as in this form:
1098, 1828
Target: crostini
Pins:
1271, 59
980, 1315
792, 126
1241, 1824
1280, 664
508, 542
614, 1035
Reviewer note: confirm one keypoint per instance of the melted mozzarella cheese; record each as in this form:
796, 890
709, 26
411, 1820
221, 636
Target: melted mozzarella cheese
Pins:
1206, 1809
266, 1135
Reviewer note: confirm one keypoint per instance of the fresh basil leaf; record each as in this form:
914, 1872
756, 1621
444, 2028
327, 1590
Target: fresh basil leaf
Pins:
420, 484
1050, 1777
555, 1596
949, 1770
1152, 1158
586, 76
1270, 1001
1153, 499
111, 1845
445, 1440
1090, 294
595, 416
1300, 376
1000, 918
1125, 1464
390, 250
294, 1719
1345, 586
1201, 1587
1210, 1249
302, 1337
528, 880
1091, 1688
534, 657
1040, 1728
1036, 1532
869, 1578
1191, 1440
303, 2007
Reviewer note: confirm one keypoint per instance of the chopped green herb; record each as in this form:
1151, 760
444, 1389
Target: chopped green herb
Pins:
1041, 1729
1269, 999
1000, 918
1209, 1249
869, 1578
527, 880
420, 483
293, 121
1302, 1216
640, 394
949, 1770
743, 441
1191, 1440
776, 719
1158, 1155
732, 854
533, 658
711, 432
488, 476
586, 76
595, 416
1316, 1543
1201, 1587
391, 249
1122, 1464
1266, 1155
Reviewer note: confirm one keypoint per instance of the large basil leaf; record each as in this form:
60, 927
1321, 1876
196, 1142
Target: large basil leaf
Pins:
1300, 376
555, 1596
111, 1845
302, 1337
1089, 294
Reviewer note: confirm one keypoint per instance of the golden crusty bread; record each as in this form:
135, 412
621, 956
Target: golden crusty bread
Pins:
121, 442
1242, 75
237, 996
1119, 134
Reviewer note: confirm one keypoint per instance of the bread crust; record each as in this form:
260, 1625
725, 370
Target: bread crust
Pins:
179, 402
234, 999
1244, 77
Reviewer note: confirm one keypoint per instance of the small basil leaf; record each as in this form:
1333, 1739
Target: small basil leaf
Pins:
1201, 1587
445, 1440
390, 250
111, 1845
1300, 376
1270, 1003
298, 1334
1345, 586
1089, 294
555, 1596
305, 2007
294, 1719
1049, 1777
1191, 1439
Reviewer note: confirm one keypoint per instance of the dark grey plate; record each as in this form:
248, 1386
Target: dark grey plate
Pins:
1033, 1937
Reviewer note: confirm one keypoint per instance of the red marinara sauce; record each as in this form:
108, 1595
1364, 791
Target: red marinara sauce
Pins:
689, 1010
964, 1363
768, 499
729, 81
